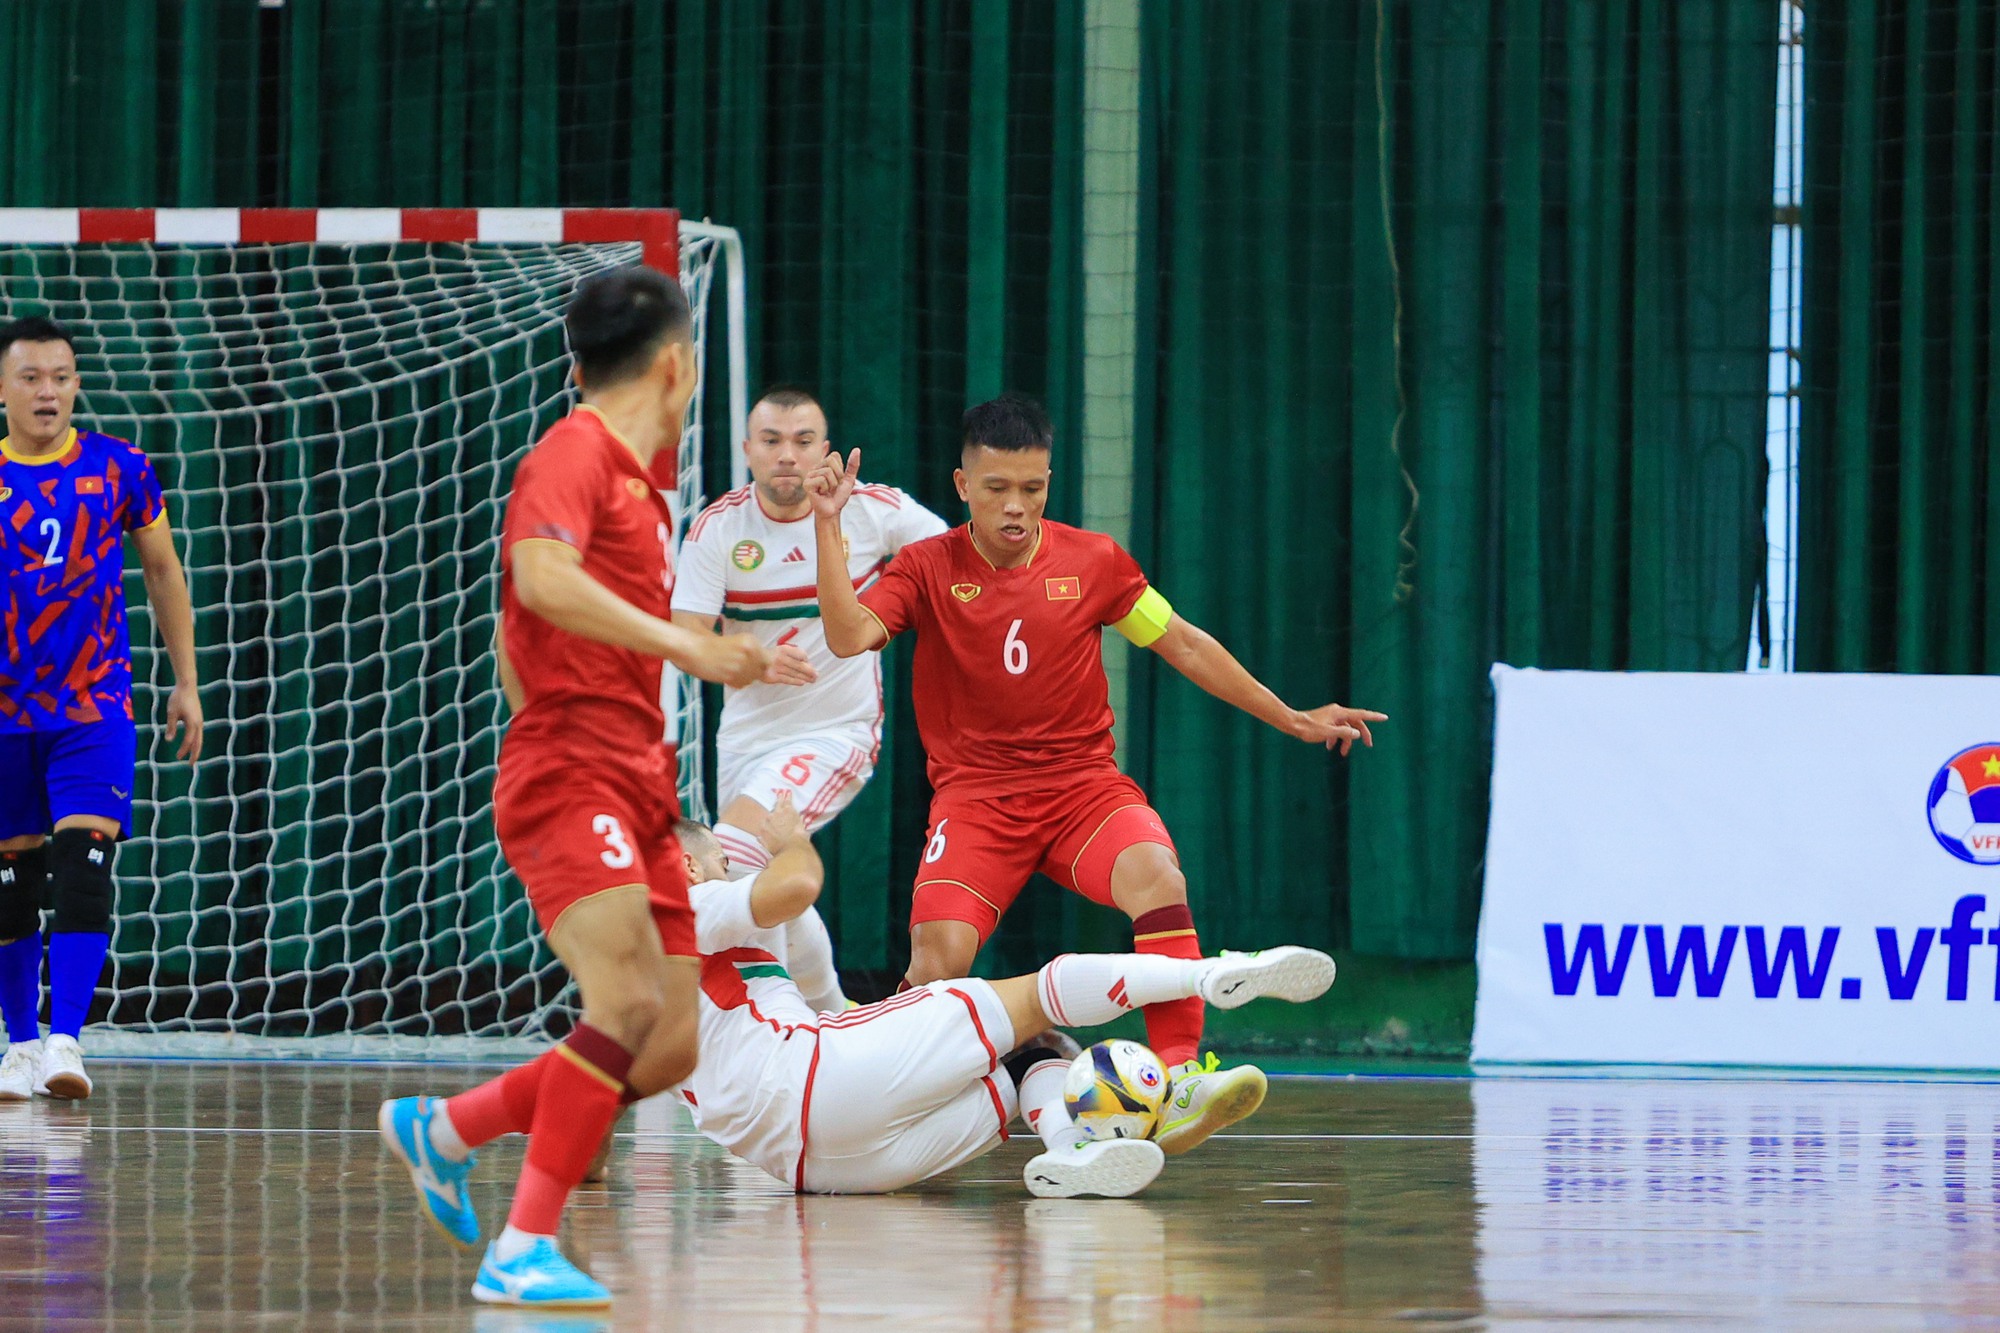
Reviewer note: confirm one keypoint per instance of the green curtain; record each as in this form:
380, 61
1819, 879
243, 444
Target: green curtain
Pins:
1512, 413
1452, 337
1900, 421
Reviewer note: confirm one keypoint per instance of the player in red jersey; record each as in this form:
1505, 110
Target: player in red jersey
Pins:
584, 800
1013, 706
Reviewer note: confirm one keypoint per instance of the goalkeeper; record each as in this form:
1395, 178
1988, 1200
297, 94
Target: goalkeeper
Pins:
68, 747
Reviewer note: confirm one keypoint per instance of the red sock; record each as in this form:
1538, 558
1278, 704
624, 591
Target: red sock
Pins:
576, 1104
1173, 1028
505, 1105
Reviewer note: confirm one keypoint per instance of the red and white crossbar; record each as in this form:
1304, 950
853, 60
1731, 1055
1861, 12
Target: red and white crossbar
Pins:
657, 230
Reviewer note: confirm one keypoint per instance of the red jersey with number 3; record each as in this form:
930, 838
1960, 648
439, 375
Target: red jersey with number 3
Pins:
1009, 668
583, 487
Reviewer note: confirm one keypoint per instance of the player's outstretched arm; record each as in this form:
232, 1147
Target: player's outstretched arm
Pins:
850, 629
550, 580
790, 883
789, 663
1196, 654
173, 612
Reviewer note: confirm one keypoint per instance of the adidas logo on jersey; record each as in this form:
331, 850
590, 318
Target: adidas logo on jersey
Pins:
794, 557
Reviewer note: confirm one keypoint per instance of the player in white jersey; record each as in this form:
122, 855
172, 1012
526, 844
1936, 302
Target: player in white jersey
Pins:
831, 1100
873, 1099
749, 560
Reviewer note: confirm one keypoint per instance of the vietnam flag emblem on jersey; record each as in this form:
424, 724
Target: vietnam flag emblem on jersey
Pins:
1069, 588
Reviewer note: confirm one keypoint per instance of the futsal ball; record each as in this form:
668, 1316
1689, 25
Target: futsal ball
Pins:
1114, 1091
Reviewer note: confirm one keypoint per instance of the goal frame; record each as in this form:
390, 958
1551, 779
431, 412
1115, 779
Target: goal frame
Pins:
659, 233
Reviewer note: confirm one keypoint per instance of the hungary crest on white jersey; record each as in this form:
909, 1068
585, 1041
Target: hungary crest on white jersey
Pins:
761, 575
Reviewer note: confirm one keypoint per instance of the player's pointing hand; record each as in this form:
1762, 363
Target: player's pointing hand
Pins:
1333, 724
831, 482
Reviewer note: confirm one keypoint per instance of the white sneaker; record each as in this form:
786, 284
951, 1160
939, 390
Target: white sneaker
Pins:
21, 1071
1287, 972
62, 1070
1111, 1168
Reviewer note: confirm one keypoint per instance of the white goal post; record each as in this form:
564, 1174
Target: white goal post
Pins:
335, 400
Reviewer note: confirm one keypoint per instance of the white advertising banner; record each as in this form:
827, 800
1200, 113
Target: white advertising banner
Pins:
1742, 869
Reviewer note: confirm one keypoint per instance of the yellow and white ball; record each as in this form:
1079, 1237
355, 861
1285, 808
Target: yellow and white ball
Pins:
1114, 1090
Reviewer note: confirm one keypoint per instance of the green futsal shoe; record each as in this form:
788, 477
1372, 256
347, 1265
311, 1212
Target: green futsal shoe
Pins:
1204, 1098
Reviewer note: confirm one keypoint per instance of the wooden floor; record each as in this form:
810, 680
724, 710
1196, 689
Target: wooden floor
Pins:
202, 1196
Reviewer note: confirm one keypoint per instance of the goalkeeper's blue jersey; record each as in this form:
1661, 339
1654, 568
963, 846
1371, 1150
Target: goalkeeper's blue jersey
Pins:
63, 520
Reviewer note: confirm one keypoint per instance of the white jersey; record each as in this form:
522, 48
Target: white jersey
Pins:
757, 1037
863, 1101
762, 577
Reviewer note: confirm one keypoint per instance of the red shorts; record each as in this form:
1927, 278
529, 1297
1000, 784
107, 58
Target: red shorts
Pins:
979, 851
573, 830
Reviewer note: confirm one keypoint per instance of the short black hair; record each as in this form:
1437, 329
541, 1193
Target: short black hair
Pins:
1010, 423
788, 396
33, 329
618, 319
693, 835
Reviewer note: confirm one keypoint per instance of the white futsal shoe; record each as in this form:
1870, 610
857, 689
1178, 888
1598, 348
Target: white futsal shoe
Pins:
1108, 1168
21, 1071
1287, 972
62, 1070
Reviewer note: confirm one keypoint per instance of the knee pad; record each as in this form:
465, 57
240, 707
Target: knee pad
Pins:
21, 887
80, 880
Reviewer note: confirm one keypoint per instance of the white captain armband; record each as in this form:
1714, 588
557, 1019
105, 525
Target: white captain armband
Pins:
1147, 620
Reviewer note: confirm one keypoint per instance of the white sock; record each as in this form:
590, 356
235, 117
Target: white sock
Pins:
809, 958
740, 845
513, 1242
1085, 989
1042, 1104
445, 1141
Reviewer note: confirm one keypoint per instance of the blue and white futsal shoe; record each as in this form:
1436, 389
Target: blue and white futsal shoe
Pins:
538, 1278
406, 1128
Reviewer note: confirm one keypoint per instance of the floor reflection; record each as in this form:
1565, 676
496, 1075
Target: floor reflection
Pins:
193, 1196
1738, 1201
202, 1196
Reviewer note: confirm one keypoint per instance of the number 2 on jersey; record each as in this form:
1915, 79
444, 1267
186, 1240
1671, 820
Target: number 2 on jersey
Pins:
52, 529
1015, 651
619, 853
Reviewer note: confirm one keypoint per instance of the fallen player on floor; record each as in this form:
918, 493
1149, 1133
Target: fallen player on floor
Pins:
873, 1099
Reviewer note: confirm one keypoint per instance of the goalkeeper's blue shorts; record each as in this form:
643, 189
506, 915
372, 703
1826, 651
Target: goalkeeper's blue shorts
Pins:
46, 776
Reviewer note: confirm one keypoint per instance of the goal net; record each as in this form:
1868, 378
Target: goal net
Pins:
336, 401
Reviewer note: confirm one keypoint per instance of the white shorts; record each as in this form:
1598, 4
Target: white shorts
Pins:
823, 772
905, 1089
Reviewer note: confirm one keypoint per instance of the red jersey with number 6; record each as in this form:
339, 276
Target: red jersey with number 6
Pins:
1009, 668
583, 487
